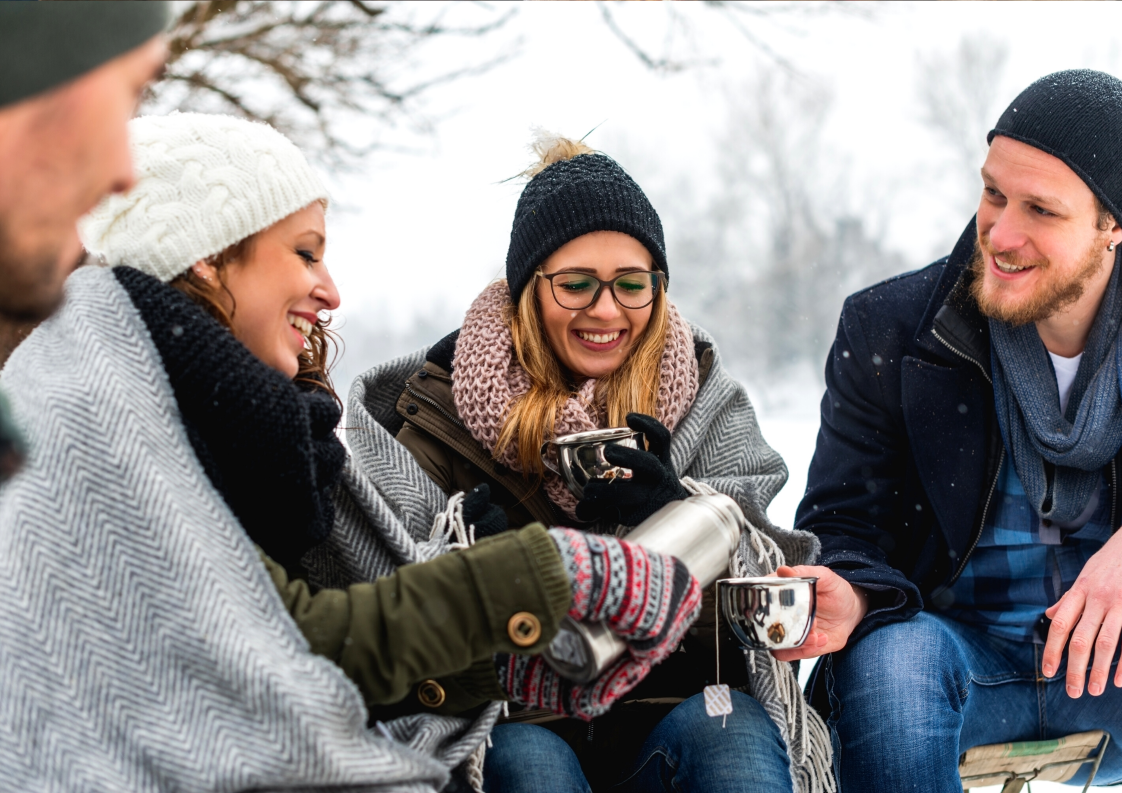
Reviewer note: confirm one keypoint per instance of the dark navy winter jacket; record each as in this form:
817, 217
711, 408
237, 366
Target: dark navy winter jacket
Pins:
909, 448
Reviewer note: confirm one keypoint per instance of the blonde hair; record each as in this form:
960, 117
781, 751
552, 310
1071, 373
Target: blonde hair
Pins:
632, 388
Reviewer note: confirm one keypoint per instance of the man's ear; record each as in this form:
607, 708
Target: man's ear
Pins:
1114, 236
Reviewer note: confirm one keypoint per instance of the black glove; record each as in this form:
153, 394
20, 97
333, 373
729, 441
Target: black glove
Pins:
480, 512
653, 483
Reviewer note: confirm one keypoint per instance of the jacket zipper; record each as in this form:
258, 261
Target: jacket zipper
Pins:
981, 525
433, 402
993, 485
472, 455
961, 354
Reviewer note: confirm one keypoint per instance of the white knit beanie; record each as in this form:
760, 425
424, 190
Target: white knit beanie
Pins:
204, 182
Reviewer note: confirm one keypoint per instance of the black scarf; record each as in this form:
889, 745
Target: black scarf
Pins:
268, 446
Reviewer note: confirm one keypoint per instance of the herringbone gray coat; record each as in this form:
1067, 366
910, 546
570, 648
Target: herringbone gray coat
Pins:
143, 646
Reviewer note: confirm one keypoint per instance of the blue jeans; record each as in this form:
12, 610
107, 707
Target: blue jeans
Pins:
687, 751
909, 698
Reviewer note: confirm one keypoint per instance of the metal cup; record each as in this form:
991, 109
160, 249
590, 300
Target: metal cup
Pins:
703, 532
768, 613
580, 456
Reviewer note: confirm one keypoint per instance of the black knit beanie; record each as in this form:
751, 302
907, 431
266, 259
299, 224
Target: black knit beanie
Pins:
43, 45
569, 198
1075, 116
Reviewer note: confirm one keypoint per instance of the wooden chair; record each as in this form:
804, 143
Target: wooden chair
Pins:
1014, 765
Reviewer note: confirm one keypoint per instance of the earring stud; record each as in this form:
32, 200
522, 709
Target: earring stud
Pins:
1110, 247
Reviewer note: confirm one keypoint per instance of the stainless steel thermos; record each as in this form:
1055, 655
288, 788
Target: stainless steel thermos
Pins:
703, 532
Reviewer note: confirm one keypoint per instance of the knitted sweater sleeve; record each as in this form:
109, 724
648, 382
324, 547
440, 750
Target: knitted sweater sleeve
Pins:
444, 617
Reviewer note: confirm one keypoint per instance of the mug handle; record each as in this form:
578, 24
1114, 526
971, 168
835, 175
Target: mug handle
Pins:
545, 460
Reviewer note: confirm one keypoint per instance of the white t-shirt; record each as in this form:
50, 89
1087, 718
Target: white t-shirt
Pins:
1065, 379
1065, 375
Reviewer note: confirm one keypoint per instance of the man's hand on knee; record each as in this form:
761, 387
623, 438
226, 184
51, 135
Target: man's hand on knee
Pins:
1091, 613
841, 606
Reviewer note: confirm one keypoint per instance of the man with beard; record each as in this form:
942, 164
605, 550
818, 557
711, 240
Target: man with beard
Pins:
71, 75
965, 483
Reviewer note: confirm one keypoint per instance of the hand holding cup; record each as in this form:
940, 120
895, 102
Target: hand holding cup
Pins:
652, 485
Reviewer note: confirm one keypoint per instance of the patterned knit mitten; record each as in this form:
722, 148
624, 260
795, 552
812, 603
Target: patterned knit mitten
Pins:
529, 679
647, 599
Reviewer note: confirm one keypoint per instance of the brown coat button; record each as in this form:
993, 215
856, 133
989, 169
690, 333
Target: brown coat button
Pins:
524, 629
431, 694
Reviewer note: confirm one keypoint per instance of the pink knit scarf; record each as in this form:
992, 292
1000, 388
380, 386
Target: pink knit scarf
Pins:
487, 378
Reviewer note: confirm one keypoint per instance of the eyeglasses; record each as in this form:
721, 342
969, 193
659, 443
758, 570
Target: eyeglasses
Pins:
576, 291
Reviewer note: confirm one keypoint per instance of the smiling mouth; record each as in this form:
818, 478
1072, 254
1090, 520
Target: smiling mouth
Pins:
301, 325
599, 338
1008, 268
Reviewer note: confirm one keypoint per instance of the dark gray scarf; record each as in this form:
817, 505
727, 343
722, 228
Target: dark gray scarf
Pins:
1059, 457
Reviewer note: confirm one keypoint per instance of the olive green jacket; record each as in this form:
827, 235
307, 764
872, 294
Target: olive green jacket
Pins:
423, 637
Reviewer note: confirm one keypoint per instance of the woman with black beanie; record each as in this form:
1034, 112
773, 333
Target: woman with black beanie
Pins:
581, 336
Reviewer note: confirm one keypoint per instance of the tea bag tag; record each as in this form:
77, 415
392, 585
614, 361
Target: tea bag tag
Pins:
718, 701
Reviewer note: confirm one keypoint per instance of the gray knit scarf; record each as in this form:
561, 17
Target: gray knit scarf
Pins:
143, 646
1076, 445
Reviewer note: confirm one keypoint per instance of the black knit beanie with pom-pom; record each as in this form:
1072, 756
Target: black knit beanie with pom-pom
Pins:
573, 197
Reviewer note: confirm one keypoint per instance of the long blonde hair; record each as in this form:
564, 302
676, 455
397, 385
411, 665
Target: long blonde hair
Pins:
632, 388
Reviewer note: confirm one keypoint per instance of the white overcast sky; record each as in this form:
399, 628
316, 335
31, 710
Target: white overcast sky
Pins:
425, 231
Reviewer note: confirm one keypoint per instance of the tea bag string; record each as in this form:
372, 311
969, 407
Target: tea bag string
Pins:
717, 630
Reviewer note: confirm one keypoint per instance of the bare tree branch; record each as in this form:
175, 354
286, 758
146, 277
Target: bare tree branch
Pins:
364, 8
661, 64
334, 76
775, 15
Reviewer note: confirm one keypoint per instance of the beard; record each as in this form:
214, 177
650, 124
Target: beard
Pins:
32, 281
1051, 295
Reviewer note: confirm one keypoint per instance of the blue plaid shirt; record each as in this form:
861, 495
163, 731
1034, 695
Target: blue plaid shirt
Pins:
1020, 567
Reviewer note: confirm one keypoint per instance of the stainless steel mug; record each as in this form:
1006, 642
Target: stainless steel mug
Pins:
702, 531
768, 613
580, 456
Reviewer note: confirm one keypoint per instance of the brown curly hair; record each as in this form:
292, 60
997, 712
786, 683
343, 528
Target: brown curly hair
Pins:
322, 349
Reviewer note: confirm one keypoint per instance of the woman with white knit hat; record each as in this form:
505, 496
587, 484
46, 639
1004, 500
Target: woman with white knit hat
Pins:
158, 554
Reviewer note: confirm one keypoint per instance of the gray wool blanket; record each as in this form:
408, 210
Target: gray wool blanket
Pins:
717, 445
143, 646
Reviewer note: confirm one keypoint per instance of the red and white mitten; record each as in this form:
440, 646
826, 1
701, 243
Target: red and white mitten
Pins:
530, 680
647, 599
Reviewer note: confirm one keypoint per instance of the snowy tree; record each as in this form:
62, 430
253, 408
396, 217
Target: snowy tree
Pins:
960, 92
333, 76
778, 247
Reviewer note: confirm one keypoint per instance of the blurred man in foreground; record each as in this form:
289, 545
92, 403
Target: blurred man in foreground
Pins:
965, 484
71, 75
